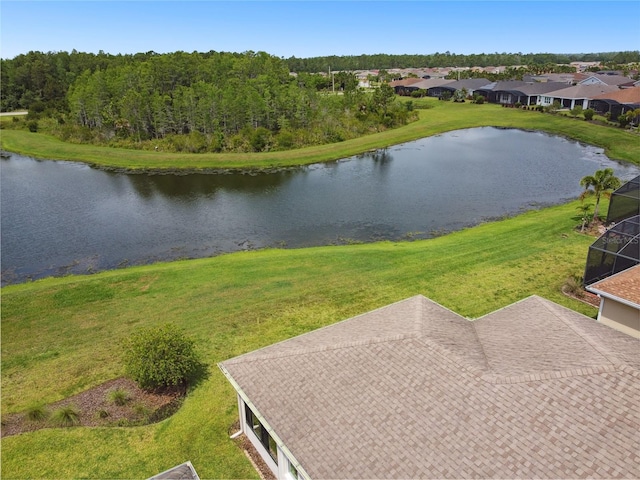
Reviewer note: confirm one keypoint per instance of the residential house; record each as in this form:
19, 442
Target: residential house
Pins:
620, 301
414, 390
605, 79
568, 78
424, 84
402, 85
577, 95
616, 102
524, 93
501, 92
468, 84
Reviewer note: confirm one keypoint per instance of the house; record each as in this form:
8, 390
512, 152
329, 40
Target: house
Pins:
468, 84
606, 79
620, 301
616, 102
414, 390
501, 92
511, 92
422, 84
578, 95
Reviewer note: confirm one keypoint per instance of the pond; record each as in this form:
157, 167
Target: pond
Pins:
65, 217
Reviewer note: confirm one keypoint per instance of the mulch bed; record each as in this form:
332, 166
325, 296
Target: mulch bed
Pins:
96, 409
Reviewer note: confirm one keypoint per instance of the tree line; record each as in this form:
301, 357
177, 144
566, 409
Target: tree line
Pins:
448, 59
220, 101
195, 102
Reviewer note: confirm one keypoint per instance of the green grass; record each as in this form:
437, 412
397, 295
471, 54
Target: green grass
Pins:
443, 116
61, 335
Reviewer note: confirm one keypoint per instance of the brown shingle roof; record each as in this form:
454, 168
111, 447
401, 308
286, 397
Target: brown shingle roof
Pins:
624, 285
625, 95
413, 390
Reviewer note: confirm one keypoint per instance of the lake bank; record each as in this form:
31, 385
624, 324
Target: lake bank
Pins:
439, 118
60, 335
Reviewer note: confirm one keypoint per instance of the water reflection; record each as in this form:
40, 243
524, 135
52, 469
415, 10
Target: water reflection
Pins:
193, 186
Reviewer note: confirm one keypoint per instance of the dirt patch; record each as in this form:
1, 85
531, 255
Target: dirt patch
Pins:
96, 408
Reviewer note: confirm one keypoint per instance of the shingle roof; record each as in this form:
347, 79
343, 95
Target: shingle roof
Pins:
624, 285
625, 95
428, 83
582, 91
615, 80
413, 390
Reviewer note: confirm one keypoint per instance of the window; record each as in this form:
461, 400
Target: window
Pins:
261, 433
293, 473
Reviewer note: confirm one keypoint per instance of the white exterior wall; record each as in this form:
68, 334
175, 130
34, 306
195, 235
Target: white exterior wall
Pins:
248, 431
281, 469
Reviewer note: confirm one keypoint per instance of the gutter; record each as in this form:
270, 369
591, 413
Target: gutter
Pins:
610, 296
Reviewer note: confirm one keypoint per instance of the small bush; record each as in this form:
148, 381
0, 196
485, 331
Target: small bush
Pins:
142, 411
119, 396
588, 114
66, 416
102, 414
161, 357
36, 413
573, 286
32, 126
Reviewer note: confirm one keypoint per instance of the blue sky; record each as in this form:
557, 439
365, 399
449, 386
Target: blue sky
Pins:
317, 28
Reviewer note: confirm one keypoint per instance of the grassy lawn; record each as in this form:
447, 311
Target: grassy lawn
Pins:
443, 116
61, 335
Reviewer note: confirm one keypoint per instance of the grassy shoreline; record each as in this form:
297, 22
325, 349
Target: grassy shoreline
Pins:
61, 335
441, 117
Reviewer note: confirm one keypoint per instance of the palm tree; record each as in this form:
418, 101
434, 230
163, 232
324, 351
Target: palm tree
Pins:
584, 215
602, 182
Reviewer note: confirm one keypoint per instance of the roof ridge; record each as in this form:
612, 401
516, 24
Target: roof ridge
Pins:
592, 340
324, 348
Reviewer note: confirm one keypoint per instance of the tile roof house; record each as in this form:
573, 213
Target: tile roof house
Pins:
413, 390
620, 301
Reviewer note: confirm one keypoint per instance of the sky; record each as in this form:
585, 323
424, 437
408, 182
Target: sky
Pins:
320, 28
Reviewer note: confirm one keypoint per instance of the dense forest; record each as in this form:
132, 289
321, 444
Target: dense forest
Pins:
217, 101
210, 102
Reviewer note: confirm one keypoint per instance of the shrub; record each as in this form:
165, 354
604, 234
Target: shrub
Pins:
479, 99
66, 416
102, 414
161, 357
36, 413
32, 126
588, 114
573, 286
119, 396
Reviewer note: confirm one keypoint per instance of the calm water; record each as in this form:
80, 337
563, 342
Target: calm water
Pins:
63, 217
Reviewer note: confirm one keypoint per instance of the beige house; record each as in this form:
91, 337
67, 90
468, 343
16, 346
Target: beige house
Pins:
620, 301
413, 390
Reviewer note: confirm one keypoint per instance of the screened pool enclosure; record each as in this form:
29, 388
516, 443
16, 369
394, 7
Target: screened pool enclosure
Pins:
616, 250
619, 247
625, 201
